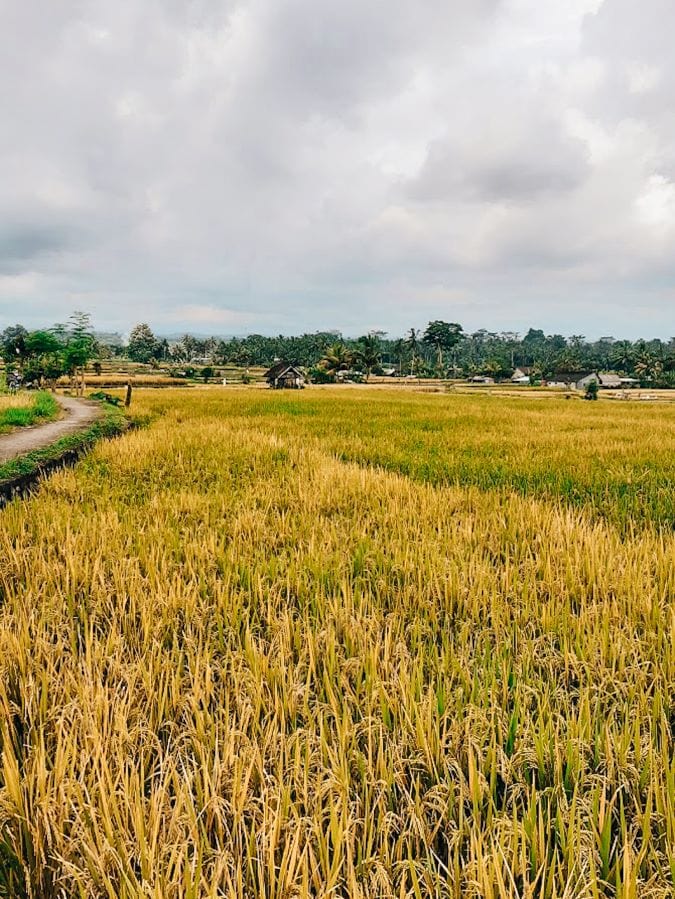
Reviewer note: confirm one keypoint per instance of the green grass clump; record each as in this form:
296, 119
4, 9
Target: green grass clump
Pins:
42, 408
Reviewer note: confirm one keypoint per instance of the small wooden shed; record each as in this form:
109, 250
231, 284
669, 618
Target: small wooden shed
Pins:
284, 376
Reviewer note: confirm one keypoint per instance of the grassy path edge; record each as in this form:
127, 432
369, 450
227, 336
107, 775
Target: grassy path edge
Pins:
41, 408
18, 475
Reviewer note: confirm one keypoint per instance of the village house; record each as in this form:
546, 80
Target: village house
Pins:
283, 375
604, 380
567, 379
521, 375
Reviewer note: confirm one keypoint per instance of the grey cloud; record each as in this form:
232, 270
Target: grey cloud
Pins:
538, 160
21, 244
297, 163
634, 41
330, 57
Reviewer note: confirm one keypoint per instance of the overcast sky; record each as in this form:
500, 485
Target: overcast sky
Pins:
230, 166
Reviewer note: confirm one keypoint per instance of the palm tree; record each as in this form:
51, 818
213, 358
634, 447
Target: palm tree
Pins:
623, 356
399, 353
337, 357
368, 353
412, 342
648, 367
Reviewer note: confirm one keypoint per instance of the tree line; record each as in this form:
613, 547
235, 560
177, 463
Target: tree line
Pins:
442, 349
44, 355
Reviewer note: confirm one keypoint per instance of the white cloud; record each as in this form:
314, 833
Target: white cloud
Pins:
642, 77
656, 206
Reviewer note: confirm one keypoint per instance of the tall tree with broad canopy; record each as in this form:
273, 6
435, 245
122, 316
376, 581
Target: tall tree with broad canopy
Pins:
45, 354
143, 345
13, 344
443, 336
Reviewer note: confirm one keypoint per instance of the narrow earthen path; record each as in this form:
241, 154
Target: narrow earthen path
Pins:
79, 415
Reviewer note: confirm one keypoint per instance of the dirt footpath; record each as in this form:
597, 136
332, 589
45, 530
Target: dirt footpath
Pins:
79, 414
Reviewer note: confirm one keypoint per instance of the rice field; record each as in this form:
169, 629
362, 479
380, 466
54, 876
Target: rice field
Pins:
344, 644
117, 380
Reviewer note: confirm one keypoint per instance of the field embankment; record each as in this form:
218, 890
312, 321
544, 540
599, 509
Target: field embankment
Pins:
233, 663
26, 456
79, 414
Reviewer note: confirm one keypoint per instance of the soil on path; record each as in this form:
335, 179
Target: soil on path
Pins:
79, 414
